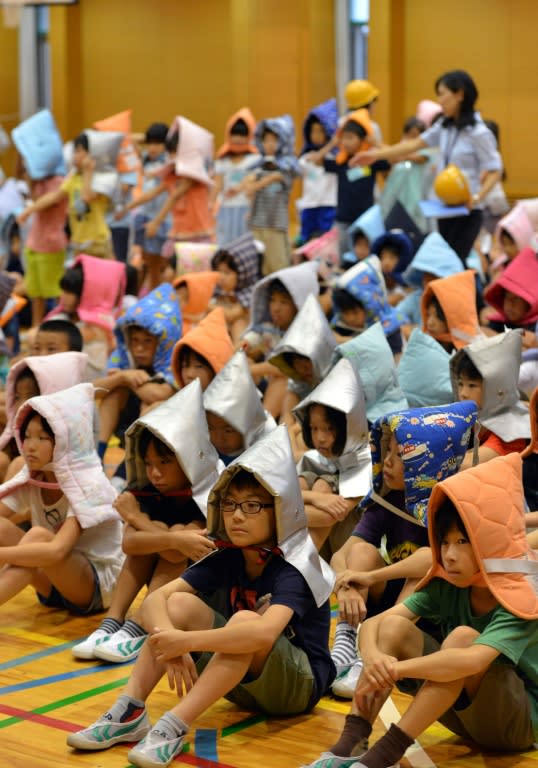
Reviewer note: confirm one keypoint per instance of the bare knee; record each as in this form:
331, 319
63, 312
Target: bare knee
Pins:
460, 637
38, 534
400, 637
321, 486
242, 616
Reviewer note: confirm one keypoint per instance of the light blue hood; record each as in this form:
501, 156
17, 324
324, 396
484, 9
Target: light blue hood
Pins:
424, 371
434, 256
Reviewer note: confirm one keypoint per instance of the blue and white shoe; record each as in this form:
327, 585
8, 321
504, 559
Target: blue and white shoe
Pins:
156, 750
120, 647
104, 733
346, 682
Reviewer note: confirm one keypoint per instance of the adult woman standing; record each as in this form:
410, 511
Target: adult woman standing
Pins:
463, 140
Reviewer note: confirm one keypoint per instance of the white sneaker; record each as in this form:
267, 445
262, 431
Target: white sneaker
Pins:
156, 750
345, 683
86, 648
120, 647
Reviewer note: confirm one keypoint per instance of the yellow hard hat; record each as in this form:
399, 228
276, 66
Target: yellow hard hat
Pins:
451, 186
360, 93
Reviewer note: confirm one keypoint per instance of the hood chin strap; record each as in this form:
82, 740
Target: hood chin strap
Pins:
265, 553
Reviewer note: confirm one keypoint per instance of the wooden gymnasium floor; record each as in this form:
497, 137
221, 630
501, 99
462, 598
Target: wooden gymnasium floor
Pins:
45, 694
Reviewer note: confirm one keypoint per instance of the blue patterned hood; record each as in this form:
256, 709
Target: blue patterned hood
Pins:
325, 113
159, 314
365, 282
284, 128
433, 442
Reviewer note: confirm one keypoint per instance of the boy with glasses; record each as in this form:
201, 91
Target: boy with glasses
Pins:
267, 647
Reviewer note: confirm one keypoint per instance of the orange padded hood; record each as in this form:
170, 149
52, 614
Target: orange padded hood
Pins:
210, 339
489, 499
457, 296
227, 148
200, 286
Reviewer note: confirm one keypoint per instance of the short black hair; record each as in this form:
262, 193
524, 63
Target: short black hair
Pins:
171, 142
68, 329
132, 280
156, 133
186, 354
277, 286
290, 357
337, 421
73, 280
446, 517
28, 375
391, 248
223, 257
82, 141
267, 130
414, 122
44, 423
147, 438
465, 367
351, 126
434, 302
357, 235
505, 233
344, 301
243, 480
239, 128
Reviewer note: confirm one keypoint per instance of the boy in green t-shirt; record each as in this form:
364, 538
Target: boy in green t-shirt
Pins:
482, 682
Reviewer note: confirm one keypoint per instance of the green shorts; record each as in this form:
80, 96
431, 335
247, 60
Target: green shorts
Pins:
285, 685
499, 716
43, 273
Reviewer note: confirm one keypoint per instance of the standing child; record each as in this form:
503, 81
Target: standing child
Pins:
318, 203
238, 265
44, 252
267, 650
481, 682
269, 185
71, 554
171, 467
234, 161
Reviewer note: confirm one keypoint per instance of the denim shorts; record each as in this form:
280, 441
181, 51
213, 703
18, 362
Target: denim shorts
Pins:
56, 600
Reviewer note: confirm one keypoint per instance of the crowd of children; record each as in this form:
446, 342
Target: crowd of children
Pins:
353, 417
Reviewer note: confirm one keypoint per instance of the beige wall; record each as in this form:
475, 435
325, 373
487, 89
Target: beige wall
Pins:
414, 41
9, 87
201, 59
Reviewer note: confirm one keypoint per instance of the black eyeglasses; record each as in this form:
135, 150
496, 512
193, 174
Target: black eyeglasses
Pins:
228, 506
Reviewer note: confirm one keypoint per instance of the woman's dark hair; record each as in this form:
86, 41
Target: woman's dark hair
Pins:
239, 128
73, 280
171, 142
161, 449
351, 126
82, 141
277, 286
44, 424
344, 301
466, 367
223, 257
156, 133
414, 122
337, 421
69, 329
459, 80
445, 518
188, 355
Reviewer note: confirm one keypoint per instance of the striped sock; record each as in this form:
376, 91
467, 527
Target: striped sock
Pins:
133, 629
110, 626
344, 650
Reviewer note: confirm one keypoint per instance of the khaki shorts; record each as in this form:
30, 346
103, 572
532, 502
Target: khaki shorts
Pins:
285, 685
277, 249
499, 716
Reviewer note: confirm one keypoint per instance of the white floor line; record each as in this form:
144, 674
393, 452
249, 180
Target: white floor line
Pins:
415, 754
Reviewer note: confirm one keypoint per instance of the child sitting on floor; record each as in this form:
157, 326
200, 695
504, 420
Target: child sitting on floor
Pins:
449, 310
194, 291
203, 351
265, 648
72, 553
170, 468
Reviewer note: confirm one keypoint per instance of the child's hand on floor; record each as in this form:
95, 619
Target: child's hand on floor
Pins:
194, 543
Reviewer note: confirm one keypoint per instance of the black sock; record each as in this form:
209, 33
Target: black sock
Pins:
110, 625
388, 750
133, 629
356, 728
